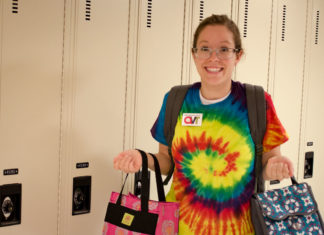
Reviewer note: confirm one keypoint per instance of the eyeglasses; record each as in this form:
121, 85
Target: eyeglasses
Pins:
223, 53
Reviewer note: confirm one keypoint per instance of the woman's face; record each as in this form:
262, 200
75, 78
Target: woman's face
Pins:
214, 71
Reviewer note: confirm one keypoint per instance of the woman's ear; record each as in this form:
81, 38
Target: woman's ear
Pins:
239, 56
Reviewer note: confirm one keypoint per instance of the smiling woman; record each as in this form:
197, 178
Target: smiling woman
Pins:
212, 147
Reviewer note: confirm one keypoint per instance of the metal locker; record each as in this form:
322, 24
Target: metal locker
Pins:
311, 146
155, 67
95, 74
286, 70
254, 22
31, 46
158, 62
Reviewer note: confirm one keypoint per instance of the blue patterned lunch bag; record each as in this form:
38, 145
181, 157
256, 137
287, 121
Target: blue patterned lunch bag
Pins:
290, 210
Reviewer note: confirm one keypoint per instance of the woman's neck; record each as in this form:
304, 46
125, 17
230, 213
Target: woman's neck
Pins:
215, 92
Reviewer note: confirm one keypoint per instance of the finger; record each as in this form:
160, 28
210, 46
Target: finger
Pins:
289, 165
124, 163
116, 162
279, 171
286, 171
291, 169
133, 167
119, 157
273, 167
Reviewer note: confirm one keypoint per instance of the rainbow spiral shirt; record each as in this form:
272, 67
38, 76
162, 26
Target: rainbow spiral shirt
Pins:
214, 161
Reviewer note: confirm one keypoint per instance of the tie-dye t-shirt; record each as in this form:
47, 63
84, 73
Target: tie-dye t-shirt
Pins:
213, 153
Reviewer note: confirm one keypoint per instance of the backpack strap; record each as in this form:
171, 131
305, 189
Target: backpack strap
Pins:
256, 105
173, 107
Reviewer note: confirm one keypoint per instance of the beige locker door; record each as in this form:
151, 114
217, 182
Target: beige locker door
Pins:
30, 104
95, 61
158, 67
313, 110
200, 10
254, 22
288, 59
159, 61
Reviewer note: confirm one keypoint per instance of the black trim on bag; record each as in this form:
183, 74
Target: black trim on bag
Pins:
259, 225
142, 222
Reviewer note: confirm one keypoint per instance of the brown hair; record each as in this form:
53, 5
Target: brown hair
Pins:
219, 20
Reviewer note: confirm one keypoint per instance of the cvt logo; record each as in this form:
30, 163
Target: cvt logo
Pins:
192, 119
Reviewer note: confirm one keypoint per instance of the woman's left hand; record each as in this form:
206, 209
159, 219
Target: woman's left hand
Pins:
278, 168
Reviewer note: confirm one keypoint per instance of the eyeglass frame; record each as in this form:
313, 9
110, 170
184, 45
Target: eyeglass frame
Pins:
217, 50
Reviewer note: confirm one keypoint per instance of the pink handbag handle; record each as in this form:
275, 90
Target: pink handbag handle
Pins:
145, 182
158, 177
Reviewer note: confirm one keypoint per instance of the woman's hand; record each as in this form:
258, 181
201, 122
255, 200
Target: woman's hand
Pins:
129, 161
276, 166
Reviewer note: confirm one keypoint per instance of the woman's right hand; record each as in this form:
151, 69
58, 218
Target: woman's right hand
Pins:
129, 161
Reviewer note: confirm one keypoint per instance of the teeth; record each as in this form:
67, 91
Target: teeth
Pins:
213, 69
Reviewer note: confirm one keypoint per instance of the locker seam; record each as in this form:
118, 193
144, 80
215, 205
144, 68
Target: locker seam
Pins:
126, 79
1, 40
237, 15
183, 42
302, 93
136, 70
232, 9
270, 47
126, 83
273, 45
61, 123
189, 58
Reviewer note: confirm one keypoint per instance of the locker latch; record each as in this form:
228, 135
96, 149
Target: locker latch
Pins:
81, 196
10, 204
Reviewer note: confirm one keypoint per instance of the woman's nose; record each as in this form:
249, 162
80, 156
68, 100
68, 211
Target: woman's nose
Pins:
214, 55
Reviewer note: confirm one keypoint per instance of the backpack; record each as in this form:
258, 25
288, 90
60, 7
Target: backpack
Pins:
256, 105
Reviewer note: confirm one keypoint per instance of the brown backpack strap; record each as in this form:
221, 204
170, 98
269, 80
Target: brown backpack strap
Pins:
173, 106
256, 105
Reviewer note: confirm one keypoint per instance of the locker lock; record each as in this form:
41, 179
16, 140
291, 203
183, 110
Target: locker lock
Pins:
81, 197
309, 164
10, 204
7, 207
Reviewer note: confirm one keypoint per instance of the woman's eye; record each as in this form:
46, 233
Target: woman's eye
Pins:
204, 49
224, 49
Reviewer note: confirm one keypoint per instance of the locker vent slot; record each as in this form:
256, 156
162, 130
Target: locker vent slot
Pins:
15, 6
88, 10
246, 11
201, 11
283, 28
317, 27
149, 14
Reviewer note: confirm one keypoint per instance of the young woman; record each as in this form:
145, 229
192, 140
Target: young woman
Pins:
213, 178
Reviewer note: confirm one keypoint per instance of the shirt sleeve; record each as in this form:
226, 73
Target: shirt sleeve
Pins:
157, 131
275, 133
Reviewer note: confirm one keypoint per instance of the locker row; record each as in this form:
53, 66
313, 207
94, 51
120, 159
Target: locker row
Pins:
82, 80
